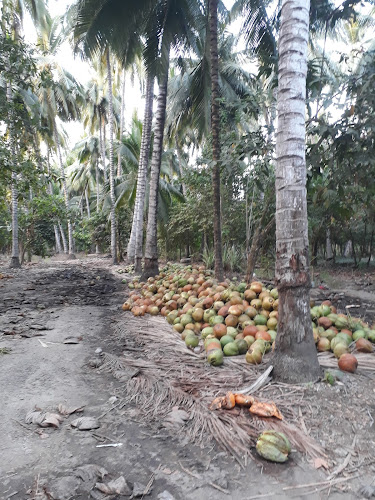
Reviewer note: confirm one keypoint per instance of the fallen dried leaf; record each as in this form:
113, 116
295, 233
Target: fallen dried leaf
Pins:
90, 472
86, 423
118, 486
64, 410
52, 419
43, 419
320, 462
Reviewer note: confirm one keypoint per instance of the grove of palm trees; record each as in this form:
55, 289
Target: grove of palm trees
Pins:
187, 283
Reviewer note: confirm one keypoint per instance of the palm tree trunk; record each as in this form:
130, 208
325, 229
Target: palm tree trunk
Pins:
97, 197
65, 190
50, 189
15, 259
142, 174
111, 166
122, 117
102, 149
87, 203
151, 252
57, 239
63, 237
215, 125
295, 359
136, 235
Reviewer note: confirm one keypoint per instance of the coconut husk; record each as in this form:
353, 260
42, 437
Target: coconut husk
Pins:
170, 376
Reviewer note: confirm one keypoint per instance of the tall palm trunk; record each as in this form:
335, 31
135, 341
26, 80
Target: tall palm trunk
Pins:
136, 235
295, 358
102, 148
65, 190
122, 118
215, 126
97, 196
63, 237
50, 189
87, 203
151, 252
111, 166
15, 259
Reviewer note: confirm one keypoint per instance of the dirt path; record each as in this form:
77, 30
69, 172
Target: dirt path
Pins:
40, 307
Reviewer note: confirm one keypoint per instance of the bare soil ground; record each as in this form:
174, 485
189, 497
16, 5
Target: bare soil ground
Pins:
42, 305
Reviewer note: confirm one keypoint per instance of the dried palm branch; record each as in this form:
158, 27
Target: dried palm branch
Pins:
170, 376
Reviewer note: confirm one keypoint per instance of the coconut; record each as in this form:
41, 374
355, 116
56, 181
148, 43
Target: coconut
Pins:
260, 320
249, 339
220, 330
348, 363
359, 334
272, 323
323, 345
340, 349
227, 339
324, 322
232, 331
215, 357
263, 335
242, 346
254, 357
364, 345
231, 349
250, 330
231, 320
178, 327
197, 314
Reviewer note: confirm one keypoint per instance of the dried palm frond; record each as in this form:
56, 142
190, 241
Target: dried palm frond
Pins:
170, 376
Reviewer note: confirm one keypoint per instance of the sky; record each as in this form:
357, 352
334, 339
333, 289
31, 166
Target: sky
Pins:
82, 71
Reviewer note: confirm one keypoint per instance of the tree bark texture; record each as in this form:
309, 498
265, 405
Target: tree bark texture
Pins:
151, 267
63, 237
87, 203
65, 191
102, 147
295, 359
215, 127
111, 166
15, 259
122, 118
135, 246
50, 189
259, 235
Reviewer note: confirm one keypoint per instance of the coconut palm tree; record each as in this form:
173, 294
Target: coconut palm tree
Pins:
164, 23
215, 126
59, 94
12, 14
111, 165
295, 356
135, 246
176, 22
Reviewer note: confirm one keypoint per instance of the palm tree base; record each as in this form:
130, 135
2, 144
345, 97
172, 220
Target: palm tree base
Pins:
14, 262
151, 268
138, 265
71, 256
295, 360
